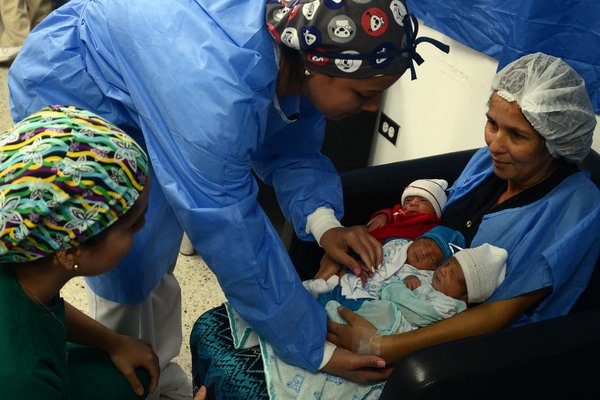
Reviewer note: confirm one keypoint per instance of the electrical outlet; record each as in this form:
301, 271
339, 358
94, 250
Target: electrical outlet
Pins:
388, 128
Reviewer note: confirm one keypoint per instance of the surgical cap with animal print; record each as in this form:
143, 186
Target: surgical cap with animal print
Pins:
350, 38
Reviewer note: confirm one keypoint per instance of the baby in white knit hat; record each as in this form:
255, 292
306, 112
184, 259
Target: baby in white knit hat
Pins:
420, 210
472, 274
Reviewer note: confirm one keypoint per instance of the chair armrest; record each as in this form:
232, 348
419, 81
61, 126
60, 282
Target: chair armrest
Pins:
549, 359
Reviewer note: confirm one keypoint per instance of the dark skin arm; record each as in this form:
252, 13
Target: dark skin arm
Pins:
126, 353
485, 318
357, 367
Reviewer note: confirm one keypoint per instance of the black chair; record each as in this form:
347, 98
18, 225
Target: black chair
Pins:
550, 359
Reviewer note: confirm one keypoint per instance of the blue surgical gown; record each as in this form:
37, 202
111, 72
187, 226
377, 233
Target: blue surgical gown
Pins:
195, 82
553, 242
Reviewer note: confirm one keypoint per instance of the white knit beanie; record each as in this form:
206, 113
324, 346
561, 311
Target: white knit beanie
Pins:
433, 190
484, 268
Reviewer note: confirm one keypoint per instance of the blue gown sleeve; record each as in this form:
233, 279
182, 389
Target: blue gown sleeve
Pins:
562, 258
303, 178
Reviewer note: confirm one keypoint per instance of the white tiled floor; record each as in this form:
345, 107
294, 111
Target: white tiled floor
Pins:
200, 289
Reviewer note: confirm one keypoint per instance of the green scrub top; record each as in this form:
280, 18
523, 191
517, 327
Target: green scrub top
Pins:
38, 363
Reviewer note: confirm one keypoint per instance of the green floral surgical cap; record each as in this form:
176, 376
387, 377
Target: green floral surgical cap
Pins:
65, 176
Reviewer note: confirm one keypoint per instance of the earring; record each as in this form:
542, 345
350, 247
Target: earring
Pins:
306, 72
75, 267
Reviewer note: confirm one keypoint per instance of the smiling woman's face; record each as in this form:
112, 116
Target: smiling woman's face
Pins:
519, 153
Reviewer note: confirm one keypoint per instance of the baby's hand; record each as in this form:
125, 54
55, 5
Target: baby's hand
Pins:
376, 222
201, 394
364, 276
327, 267
412, 282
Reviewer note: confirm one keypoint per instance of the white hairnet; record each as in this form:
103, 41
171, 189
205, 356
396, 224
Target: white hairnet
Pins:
553, 98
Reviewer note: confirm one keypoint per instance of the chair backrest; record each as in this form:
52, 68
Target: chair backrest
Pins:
590, 298
370, 189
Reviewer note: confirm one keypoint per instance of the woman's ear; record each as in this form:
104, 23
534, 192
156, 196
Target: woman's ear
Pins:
67, 258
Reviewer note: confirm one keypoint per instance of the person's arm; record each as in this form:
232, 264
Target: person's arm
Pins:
386, 213
360, 335
327, 267
357, 367
338, 242
201, 393
127, 353
377, 221
309, 191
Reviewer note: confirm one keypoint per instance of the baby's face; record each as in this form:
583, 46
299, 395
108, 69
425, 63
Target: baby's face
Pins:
418, 204
449, 279
424, 253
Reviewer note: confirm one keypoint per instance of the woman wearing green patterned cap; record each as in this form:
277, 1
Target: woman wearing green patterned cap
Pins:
73, 191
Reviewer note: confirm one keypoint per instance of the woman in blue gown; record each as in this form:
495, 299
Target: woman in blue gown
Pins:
217, 89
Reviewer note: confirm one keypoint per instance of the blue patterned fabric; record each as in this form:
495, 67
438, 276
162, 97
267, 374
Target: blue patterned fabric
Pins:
227, 373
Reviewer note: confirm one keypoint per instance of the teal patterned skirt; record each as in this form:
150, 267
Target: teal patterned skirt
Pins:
227, 373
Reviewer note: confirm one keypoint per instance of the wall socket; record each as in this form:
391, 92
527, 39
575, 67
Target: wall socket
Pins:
388, 128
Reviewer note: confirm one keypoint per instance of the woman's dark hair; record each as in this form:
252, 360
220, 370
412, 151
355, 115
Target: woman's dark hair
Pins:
294, 64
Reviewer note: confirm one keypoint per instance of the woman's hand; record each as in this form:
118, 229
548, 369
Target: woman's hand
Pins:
376, 222
337, 242
356, 367
359, 336
127, 354
485, 318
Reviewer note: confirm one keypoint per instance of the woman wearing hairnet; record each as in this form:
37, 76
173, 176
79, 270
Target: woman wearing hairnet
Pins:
525, 193
214, 92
